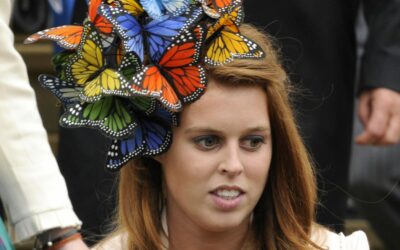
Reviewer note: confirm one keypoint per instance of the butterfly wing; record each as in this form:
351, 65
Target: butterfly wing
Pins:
229, 45
175, 7
224, 5
132, 6
60, 60
121, 151
189, 82
88, 60
107, 82
87, 68
151, 82
155, 137
85, 65
144, 104
100, 22
209, 9
177, 77
111, 115
127, 27
67, 36
66, 92
152, 137
230, 21
154, 8
226, 42
156, 130
181, 64
130, 65
161, 32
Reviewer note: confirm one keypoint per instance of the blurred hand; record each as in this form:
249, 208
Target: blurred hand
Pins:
379, 112
77, 244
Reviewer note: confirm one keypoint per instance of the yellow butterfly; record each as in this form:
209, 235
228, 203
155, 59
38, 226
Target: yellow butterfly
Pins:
226, 42
89, 69
132, 6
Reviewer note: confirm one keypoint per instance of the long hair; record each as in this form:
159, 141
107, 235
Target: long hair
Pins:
284, 215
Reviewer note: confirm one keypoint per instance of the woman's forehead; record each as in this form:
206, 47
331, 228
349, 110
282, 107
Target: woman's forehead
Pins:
223, 104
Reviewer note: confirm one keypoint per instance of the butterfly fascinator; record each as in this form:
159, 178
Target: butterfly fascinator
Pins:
133, 65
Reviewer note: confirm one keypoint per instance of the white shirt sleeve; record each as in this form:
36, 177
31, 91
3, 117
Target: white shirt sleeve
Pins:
31, 186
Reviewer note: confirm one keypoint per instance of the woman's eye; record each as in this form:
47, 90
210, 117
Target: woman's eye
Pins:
207, 142
253, 142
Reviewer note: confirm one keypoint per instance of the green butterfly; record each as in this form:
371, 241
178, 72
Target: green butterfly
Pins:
113, 115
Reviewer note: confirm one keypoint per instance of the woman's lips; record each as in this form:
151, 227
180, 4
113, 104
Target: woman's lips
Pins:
227, 197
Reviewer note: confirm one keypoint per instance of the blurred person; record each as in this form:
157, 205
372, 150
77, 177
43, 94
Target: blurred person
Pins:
31, 187
318, 46
375, 176
374, 185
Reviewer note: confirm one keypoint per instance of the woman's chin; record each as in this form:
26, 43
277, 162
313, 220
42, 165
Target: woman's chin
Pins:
221, 222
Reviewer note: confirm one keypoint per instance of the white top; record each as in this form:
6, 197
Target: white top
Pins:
322, 237
333, 241
31, 185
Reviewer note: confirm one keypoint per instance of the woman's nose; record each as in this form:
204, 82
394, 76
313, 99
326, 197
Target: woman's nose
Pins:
231, 164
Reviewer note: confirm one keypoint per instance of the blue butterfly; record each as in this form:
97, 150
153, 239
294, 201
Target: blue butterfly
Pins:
157, 8
158, 34
152, 136
67, 92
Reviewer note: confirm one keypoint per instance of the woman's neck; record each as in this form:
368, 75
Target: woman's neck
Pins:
185, 236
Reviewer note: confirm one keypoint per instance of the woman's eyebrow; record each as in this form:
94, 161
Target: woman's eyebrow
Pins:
198, 129
266, 129
201, 129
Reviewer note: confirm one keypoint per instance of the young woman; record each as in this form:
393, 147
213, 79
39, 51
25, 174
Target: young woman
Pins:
237, 175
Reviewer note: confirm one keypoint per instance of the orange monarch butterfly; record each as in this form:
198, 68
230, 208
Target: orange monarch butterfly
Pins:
69, 36
214, 8
177, 77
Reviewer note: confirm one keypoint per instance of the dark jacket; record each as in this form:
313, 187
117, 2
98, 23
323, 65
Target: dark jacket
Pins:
319, 51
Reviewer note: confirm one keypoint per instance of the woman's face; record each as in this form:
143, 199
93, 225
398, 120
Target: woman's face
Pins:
217, 166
